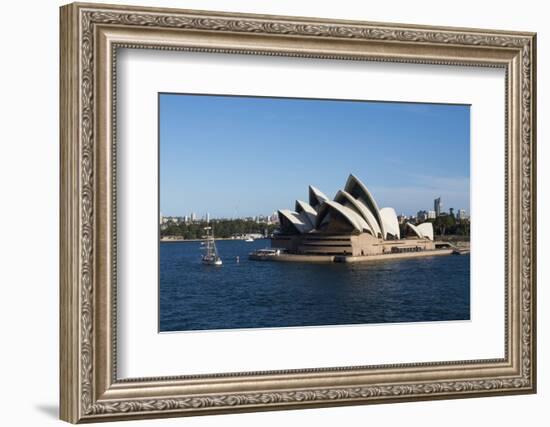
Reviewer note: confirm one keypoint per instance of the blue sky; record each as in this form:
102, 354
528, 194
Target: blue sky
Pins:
242, 156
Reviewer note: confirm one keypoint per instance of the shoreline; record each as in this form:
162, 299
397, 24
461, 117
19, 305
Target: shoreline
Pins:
177, 240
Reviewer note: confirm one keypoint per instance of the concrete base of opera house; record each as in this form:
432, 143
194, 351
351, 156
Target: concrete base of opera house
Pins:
284, 257
350, 248
356, 244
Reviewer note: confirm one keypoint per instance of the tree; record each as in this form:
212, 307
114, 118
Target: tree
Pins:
222, 228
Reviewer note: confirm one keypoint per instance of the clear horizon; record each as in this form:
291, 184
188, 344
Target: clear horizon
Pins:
236, 156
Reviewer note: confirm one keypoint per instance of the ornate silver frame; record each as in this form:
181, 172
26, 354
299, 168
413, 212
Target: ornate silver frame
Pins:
90, 36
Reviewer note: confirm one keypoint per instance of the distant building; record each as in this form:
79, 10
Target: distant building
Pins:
461, 214
437, 206
274, 218
193, 216
452, 211
431, 215
422, 216
207, 217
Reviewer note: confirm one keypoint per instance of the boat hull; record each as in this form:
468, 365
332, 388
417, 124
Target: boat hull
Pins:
216, 261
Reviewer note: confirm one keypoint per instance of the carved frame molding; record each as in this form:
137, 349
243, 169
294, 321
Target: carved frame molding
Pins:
90, 36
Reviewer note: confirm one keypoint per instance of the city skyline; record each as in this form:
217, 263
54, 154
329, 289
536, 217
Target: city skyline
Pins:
430, 214
255, 153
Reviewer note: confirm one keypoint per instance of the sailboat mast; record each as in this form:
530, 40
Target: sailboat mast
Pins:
211, 257
214, 243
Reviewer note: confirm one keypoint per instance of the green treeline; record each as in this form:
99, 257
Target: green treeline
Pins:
223, 228
449, 225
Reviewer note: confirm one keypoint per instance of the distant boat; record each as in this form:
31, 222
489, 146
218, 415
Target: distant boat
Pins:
208, 245
249, 239
265, 254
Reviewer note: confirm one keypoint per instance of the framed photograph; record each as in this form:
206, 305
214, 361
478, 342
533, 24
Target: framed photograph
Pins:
266, 212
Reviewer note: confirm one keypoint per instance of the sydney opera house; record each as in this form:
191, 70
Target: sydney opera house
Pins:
351, 224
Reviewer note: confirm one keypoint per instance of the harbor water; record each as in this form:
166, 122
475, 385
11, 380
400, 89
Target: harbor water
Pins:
251, 294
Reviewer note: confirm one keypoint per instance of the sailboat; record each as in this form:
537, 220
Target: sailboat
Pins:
210, 256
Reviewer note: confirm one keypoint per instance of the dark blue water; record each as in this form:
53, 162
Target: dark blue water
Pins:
255, 294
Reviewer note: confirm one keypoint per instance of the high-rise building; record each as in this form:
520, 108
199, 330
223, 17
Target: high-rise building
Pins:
431, 215
461, 214
437, 206
207, 217
452, 211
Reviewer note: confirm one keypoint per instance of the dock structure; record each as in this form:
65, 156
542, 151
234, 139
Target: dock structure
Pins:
292, 257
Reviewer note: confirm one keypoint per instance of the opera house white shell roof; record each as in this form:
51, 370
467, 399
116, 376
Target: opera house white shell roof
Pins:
328, 217
424, 230
347, 199
359, 190
294, 222
353, 210
389, 220
307, 212
316, 198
